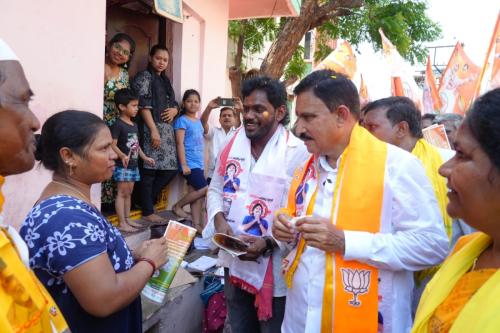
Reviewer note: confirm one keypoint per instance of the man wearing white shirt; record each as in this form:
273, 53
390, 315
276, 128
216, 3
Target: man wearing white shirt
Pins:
229, 119
371, 219
250, 181
397, 121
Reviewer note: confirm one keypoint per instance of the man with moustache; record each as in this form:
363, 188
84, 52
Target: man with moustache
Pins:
229, 120
26, 305
264, 155
369, 219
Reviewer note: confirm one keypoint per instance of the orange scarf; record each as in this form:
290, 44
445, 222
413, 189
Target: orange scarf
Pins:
351, 287
2, 180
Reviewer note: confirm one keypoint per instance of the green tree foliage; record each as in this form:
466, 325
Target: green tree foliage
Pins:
405, 23
252, 34
296, 67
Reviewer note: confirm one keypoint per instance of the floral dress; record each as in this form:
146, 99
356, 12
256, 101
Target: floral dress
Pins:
111, 113
62, 233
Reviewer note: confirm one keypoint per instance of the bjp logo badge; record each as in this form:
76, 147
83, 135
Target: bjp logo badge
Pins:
356, 282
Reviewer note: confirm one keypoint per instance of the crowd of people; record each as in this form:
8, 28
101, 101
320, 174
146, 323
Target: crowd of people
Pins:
353, 222
147, 122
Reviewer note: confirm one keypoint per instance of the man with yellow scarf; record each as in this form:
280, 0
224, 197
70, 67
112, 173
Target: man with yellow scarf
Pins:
25, 305
396, 120
369, 218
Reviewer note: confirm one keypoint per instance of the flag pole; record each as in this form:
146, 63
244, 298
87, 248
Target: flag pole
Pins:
485, 64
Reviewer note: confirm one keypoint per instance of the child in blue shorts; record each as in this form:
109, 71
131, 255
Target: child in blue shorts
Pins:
125, 135
190, 151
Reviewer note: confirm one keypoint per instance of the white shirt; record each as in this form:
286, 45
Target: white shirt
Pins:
412, 238
296, 155
216, 137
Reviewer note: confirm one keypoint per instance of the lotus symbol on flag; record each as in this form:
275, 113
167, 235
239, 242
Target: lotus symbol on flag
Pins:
356, 282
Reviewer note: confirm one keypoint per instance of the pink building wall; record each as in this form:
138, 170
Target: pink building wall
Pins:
62, 52
200, 47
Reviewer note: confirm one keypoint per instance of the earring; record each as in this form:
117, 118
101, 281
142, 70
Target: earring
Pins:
70, 167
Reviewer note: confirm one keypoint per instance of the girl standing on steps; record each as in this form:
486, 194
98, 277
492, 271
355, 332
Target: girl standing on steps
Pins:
190, 151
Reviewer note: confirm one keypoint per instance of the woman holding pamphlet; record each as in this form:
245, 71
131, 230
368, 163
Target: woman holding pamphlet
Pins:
82, 260
464, 295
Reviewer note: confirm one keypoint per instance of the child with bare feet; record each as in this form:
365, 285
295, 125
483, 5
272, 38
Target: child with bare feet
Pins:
190, 150
126, 145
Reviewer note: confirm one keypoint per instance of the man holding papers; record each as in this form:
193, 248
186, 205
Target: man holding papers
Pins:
262, 156
374, 220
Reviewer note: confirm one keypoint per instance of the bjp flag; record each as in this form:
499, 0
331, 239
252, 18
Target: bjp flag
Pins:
458, 82
402, 80
490, 74
364, 97
341, 60
430, 98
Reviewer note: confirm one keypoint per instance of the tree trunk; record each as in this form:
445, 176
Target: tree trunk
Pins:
235, 79
311, 16
286, 42
239, 51
235, 71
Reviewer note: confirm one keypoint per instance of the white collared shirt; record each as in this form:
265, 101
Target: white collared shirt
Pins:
412, 238
216, 137
296, 155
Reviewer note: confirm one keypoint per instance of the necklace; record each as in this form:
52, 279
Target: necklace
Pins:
74, 189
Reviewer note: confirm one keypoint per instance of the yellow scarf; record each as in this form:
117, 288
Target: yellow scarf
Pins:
480, 314
25, 305
431, 159
351, 287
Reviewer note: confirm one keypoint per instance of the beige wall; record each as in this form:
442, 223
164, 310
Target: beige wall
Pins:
61, 46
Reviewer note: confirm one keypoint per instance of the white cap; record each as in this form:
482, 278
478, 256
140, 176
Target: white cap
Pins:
6, 52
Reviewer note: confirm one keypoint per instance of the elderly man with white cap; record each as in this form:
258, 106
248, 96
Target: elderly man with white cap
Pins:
26, 305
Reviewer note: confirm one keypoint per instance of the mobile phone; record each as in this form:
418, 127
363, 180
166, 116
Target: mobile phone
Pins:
226, 102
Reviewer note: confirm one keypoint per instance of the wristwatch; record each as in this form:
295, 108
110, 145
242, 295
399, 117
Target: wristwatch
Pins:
268, 250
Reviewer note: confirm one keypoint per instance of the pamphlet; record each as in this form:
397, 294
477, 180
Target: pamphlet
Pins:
436, 136
202, 264
234, 246
179, 238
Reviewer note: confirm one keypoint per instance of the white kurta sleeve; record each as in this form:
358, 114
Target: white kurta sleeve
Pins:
214, 201
412, 234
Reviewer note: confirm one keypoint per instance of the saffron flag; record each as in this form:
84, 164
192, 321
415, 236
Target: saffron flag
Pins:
364, 97
341, 60
458, 82
490, 74
430, 98
402, 80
